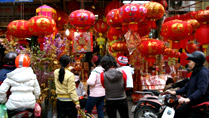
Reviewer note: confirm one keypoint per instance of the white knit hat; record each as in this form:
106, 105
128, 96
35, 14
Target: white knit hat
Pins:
122, 60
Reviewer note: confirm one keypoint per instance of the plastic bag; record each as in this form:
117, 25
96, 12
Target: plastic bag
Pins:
3, 111
133, 40
37, 110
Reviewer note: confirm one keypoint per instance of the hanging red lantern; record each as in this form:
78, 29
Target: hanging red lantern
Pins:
176, 30
176, 45
82, 19
144, 28
45, 10
202, 34
177, 54
114, 33
113, 5
183, 43
151, 47
191, 15
154, 10
19, 29
41, 25
191, 47
112, 18
62, 18
132, 14
203, 16
100, 26
194, 23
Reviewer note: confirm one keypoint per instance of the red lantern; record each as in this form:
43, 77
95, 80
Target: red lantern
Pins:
114, 33
176, 45
18, 28
132, 14
151, 47
191, 15
191, 47
100, 26
203, 16
45, 10
41, 25
62, 17
144, 28
195, 24
177, 54
207, 58
113, 5
176, 30
82, 19
112, 18
202, 34
154, 10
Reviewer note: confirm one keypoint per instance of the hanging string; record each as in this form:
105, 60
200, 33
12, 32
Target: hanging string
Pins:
82, 7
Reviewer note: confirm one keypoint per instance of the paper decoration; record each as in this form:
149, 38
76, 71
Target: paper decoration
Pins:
82, 42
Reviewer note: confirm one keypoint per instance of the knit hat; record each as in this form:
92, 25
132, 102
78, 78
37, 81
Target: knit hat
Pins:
122, 60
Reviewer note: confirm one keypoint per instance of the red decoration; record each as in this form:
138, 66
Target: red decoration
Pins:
82, 42
113, 5
151, 47
203, 16
176, 30
154, 10
195, 24
183, 43
191, 47
46, 11
100, 26
41, 40
183, 58
144, 28
176, 45
207, 58
162, 2
18, 28
202, 34
62, 17
41, 25
191, 15
112, 18
82, 19
114, 33
120, 46
132, 14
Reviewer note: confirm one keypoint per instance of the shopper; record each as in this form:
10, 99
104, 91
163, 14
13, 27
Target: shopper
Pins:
124, 65
67, 99
24, 86
197, 87
80, 91
97, 92
114, 82
9, 65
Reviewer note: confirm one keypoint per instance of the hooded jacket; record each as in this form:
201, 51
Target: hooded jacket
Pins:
4, 71
24, 88
114, 82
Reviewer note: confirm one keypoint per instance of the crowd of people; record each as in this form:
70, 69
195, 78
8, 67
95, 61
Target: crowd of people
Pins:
107, 84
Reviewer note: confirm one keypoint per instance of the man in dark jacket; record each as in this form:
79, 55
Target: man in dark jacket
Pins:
9, 65
197, 89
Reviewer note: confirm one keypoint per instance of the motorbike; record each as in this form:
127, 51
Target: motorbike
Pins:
21, 113
163, 105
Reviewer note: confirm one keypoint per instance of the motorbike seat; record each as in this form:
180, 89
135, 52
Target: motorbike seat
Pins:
201, 104
19, 110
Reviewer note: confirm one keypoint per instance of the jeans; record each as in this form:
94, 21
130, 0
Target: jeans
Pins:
113, 105
99, 102
66, 108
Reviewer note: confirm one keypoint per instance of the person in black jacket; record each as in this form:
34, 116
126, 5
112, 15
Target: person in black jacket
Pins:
197, 89
9, 65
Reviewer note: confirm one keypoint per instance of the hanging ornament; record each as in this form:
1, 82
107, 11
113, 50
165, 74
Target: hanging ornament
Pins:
45, 10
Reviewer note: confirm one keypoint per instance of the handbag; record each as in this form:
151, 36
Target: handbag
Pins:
3, 111
37, 110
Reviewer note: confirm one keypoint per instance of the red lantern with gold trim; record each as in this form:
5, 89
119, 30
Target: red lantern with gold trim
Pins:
195, 24
19, 29
132, 14
82, 19
151, 47
41, 25
176, 29
62, 18
45, 10
114, 33
100, 26
112, 18
202, 34
154, 10
203, 16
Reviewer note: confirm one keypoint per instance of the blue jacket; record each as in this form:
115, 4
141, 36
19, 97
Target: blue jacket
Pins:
197, 89
4, 71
